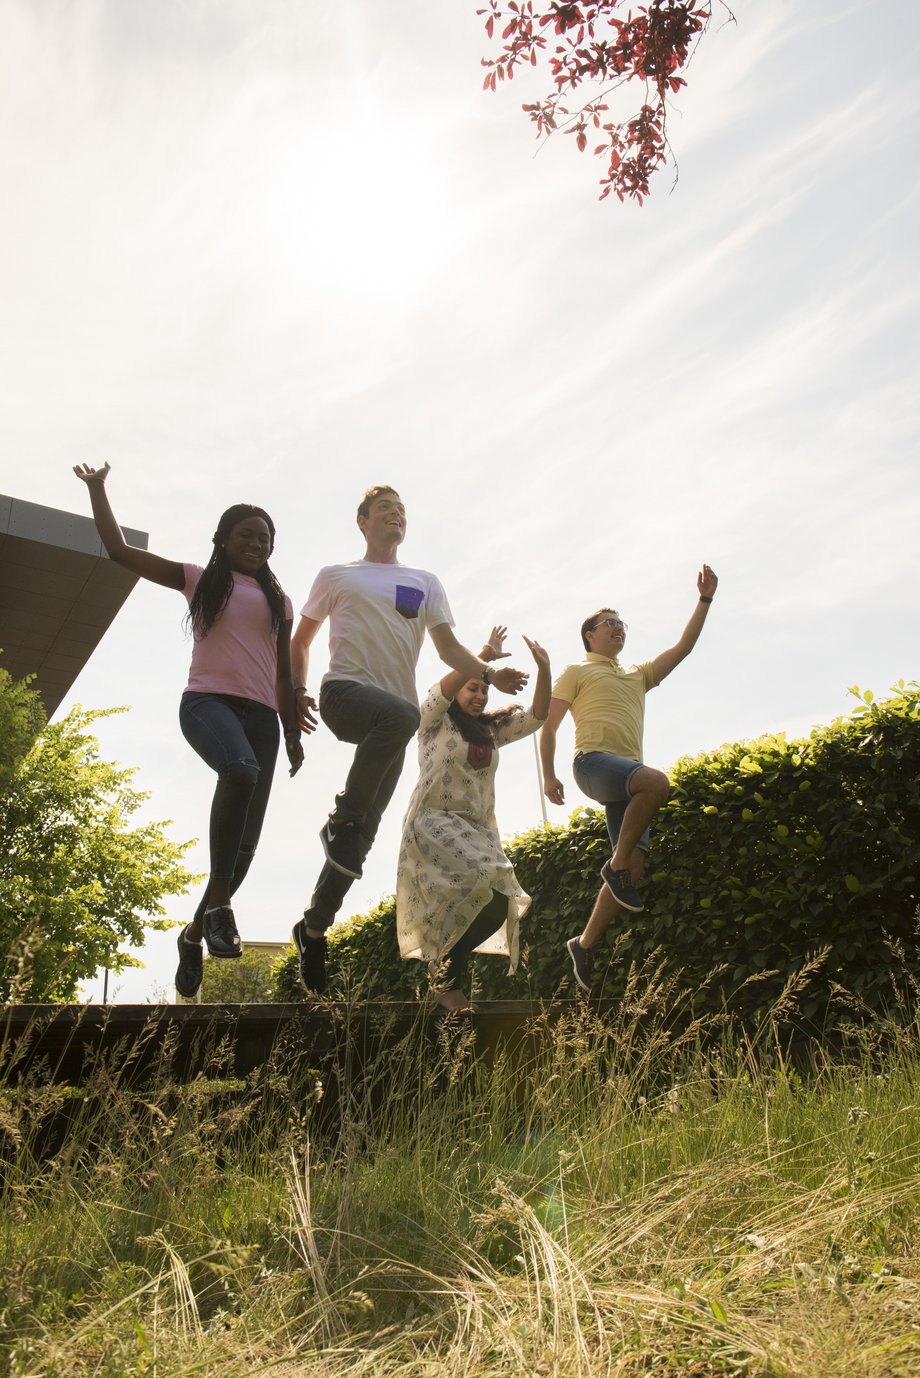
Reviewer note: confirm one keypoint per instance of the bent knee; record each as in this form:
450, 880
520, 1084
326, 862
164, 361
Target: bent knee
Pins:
243, 775
653, 783
404, 718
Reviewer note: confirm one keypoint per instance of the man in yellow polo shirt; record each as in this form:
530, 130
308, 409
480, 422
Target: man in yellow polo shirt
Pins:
607, 702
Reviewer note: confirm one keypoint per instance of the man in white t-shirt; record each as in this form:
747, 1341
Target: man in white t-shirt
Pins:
379, 611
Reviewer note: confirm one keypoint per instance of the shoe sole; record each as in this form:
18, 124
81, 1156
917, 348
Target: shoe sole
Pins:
630, 908
578, 981
337, 865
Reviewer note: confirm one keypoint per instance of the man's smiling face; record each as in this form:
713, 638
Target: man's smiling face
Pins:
608, 637
385, 523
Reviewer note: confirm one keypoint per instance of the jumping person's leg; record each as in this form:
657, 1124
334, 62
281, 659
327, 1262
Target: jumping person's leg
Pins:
648, 792
631, 794
260, 727
238, 740
605, 906
333, 885
450, 974
581, 948
381, 725
610, 780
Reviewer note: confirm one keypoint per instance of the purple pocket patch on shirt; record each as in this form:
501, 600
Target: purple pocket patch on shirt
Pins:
408, 600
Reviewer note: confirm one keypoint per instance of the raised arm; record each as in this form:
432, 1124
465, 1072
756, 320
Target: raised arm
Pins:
491, 650
542, 690
553, 787
468, 666
169, 573
301, 641
663, 664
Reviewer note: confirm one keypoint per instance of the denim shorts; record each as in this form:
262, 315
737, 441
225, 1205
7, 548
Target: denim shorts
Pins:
605, 778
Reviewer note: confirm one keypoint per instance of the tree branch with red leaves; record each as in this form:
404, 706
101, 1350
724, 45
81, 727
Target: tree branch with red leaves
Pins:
595, 44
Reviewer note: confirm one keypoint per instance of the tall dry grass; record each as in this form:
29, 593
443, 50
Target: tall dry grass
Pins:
627, 1195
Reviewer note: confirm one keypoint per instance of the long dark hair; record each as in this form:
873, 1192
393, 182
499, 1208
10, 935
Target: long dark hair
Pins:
478, 730
216, 582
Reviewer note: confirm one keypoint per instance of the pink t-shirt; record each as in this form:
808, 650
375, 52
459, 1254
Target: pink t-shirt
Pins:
239, 655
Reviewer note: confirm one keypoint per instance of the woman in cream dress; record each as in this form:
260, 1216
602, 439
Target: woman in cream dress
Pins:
456, 891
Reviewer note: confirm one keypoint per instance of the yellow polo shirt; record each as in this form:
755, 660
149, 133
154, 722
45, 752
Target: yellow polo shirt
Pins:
607, 703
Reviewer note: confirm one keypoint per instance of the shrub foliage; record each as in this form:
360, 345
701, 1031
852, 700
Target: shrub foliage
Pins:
78, 877
771, 856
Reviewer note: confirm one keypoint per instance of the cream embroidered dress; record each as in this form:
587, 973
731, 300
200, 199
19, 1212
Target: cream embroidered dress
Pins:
451, 858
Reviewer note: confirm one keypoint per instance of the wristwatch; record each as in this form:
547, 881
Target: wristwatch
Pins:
487, 677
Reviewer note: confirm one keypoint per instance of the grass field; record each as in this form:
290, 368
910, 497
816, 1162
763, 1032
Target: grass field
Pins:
622, 1199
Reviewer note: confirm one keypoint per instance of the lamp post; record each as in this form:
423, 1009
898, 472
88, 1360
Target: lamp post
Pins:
536, 756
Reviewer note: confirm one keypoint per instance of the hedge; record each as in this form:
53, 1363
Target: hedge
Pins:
767, 854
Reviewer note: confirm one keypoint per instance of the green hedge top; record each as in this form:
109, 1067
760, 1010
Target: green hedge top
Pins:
767, 853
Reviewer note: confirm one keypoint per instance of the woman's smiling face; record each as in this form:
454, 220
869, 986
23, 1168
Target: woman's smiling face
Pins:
473, 697
248, 545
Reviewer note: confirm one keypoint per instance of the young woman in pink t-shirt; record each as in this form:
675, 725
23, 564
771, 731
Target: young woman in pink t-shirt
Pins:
239, 681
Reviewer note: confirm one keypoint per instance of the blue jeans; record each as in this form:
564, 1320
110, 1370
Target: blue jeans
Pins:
381, 725
605, 778
238, 739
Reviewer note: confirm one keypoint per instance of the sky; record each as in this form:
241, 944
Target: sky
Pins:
278, 251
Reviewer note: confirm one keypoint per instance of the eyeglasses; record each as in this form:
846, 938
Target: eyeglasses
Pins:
614, 623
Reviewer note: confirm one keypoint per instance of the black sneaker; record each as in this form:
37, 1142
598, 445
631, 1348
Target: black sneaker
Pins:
312, 954
342, 845
582, 963
189, 970
620, 885
220, 933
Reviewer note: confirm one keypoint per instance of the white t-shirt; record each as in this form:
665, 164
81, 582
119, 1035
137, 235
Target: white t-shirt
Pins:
378, 615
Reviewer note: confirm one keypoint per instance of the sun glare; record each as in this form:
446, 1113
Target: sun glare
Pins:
360, 219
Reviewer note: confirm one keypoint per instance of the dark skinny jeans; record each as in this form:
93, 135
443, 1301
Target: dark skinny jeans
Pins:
381, 725
238, 738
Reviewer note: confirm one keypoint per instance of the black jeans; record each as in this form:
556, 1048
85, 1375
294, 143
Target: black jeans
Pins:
381, 725
238, 738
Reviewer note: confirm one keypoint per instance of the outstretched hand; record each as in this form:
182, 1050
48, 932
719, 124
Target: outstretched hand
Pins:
89, 475
707, 582
539, 654
492, 648
508, 681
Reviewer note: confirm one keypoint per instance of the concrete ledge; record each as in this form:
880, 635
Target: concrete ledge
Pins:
70, 1043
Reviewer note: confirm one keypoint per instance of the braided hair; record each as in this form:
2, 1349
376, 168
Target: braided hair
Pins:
216, 582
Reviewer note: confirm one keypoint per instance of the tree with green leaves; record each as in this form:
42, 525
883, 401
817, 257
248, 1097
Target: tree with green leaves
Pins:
248, 981
77, 880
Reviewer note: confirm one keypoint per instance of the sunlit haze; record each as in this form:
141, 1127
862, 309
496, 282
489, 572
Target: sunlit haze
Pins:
275, 251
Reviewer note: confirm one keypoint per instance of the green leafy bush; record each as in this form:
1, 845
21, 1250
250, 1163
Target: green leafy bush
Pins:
769, 854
